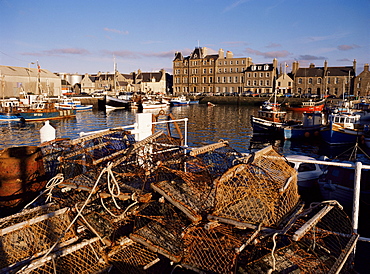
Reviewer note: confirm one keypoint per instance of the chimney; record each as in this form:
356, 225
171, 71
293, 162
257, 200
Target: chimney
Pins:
354, 65
221, 53
366, 67
229, 54
312, 65
295, 67
325, 65
204, 52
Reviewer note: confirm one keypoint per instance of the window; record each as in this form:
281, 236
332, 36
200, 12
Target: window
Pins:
225, 69
225, 62
266, 67
235, 79
204, 79
219, 70
267, 74
237, 69
310, 80
249, 75
231, 62
237, 62
261, 74
255, 75
253, 68
210, 70
211, 79
259, 67
319, 80
249, 82
336, 81
204, 62
299, 80
230, 79
267, 82
185, 71
254, 82
261, 82
231, 69
185, 80
204, 70
279, 84
223, 79
243, 61
218, 79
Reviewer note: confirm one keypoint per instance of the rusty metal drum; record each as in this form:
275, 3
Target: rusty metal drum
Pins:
22, 175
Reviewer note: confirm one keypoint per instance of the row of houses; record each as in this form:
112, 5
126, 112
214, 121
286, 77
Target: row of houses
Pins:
16, 81
201, 72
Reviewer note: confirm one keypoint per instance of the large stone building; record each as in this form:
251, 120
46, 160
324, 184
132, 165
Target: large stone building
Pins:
362, 82
201, 72
16, 81
321, 81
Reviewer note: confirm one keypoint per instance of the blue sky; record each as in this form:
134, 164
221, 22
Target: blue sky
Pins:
82, 36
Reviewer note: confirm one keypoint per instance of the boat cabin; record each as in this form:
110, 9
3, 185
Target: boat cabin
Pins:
346, 120
273, 116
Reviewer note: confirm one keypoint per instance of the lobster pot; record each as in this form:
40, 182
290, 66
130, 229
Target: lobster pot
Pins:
320, 240
51, 152
85, 257
213, 250
216, 158
158, 226
91, 152
33, 232
260, 192
131, 257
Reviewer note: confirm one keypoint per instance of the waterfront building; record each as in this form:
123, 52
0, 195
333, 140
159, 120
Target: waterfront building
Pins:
151, 82
362, 82
220, 73
284, 82
322, 81
16, 81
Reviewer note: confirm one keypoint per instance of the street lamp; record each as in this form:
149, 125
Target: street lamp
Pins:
326, 82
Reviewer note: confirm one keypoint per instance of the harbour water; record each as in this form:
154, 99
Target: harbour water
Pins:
205, 125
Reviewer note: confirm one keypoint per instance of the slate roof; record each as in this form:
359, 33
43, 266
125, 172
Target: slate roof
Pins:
319, 72
259, 68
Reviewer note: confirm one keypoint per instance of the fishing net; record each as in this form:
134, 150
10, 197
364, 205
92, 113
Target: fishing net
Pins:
159, 227
32, 233
85, 257
320, 240
262, 191
132, 257
212, 249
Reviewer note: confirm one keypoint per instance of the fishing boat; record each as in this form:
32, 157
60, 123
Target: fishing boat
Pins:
179, 101
271, 122
310, 127
7, 110
33, 108
210, 104
152, 104
69, 103
343, 129
110, 102
307, 106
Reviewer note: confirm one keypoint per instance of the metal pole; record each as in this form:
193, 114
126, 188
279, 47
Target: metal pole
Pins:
356, 196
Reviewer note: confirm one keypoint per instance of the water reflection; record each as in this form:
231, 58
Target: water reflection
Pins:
205, 125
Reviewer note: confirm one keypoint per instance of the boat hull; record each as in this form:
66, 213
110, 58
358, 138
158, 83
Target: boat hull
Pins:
9, 117
112, 103
47, 115
306, 109
299, 132
340, 136
266, 127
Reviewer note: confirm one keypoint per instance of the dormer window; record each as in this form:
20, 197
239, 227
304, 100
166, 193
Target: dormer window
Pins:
266, 67
259, 67
253, 67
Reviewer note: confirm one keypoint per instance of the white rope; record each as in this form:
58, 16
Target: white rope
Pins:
272, 254
115, 186
53, 182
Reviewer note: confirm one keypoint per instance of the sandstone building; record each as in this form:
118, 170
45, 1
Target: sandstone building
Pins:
201, 72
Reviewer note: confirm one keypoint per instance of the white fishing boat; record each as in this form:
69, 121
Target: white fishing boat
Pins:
70, 103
